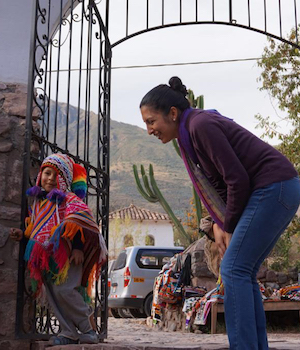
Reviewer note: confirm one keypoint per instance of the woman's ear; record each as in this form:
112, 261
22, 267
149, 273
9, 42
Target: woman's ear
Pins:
173, 114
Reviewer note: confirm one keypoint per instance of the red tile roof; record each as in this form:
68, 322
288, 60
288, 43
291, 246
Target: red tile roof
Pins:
135, 213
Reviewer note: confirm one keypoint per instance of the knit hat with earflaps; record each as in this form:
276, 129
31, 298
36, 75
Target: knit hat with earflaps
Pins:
70, 177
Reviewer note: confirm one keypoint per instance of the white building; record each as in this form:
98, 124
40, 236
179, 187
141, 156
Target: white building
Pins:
138, 226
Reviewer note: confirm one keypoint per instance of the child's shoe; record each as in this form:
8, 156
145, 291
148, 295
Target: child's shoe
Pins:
61, 340
91, 337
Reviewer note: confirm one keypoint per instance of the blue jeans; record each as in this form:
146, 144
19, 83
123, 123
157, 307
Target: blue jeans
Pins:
267, 214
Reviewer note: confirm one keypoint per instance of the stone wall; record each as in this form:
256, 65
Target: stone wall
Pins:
275, 280
13, 100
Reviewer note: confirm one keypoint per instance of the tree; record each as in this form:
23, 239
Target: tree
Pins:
280, 77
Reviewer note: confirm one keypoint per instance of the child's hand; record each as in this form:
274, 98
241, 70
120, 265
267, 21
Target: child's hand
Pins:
77, 256
16, 234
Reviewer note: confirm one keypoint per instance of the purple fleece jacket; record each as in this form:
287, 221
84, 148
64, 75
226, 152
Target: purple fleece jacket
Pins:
235, 161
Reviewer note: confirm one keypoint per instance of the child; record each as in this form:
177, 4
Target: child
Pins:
65, 249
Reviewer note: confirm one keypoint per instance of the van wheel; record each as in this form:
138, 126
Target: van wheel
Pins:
124, 313
115, 313
148, 305
137, 313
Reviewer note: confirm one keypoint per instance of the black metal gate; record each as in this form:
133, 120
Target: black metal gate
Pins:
69, 85
271, 18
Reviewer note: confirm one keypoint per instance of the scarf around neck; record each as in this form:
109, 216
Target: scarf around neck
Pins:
207, 193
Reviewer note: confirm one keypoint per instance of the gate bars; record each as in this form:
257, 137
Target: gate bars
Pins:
69, 84
73, 101
274, 18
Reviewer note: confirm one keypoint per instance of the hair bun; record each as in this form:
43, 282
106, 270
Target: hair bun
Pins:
176, 85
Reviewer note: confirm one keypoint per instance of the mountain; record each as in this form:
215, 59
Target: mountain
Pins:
129, 145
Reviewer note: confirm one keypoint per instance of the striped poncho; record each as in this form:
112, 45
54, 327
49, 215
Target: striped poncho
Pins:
53, 222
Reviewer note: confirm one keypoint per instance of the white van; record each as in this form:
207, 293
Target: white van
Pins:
132, 278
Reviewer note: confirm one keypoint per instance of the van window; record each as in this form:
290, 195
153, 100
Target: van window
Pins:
120, 262
154, 258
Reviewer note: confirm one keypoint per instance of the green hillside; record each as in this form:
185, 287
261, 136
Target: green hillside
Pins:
129, 145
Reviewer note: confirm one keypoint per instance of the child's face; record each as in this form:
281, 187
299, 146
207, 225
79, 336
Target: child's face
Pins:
48, 179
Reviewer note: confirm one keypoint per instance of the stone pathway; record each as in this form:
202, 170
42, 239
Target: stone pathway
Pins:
134, 334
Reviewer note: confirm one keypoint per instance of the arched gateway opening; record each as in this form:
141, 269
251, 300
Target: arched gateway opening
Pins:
70, 69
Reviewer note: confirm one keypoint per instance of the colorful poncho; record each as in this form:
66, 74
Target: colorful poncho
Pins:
51, 227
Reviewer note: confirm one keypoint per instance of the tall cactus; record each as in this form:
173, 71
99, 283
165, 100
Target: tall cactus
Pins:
197, 102
154, 195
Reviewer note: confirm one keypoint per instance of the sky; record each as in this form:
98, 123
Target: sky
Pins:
231, 88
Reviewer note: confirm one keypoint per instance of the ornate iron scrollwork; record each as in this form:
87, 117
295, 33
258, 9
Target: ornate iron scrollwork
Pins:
66, 124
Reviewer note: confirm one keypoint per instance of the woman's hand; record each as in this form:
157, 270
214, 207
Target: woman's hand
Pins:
77, 256
16, 234
222, 239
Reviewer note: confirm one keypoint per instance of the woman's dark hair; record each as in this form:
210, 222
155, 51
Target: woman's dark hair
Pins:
163, 97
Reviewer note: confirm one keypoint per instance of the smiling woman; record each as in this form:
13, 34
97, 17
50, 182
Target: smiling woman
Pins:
160, 109
250, 189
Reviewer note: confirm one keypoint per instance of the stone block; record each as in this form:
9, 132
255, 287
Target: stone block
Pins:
8, 288
15, 344
197, 256
2, 187
3, 163
15, 104
10, 213
271, 276
21, 88
15, 251
282, 278
18, 134
14, 182
5, 125
262, 272
3, 86
8, 313
34, 148
207, 282
5, 146
201, 270
293, 274
9, 276
4, 234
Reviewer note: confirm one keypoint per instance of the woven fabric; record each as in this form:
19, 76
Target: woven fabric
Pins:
207, 193
51, 233
63, 165
55, 218
79, 185
70, 176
